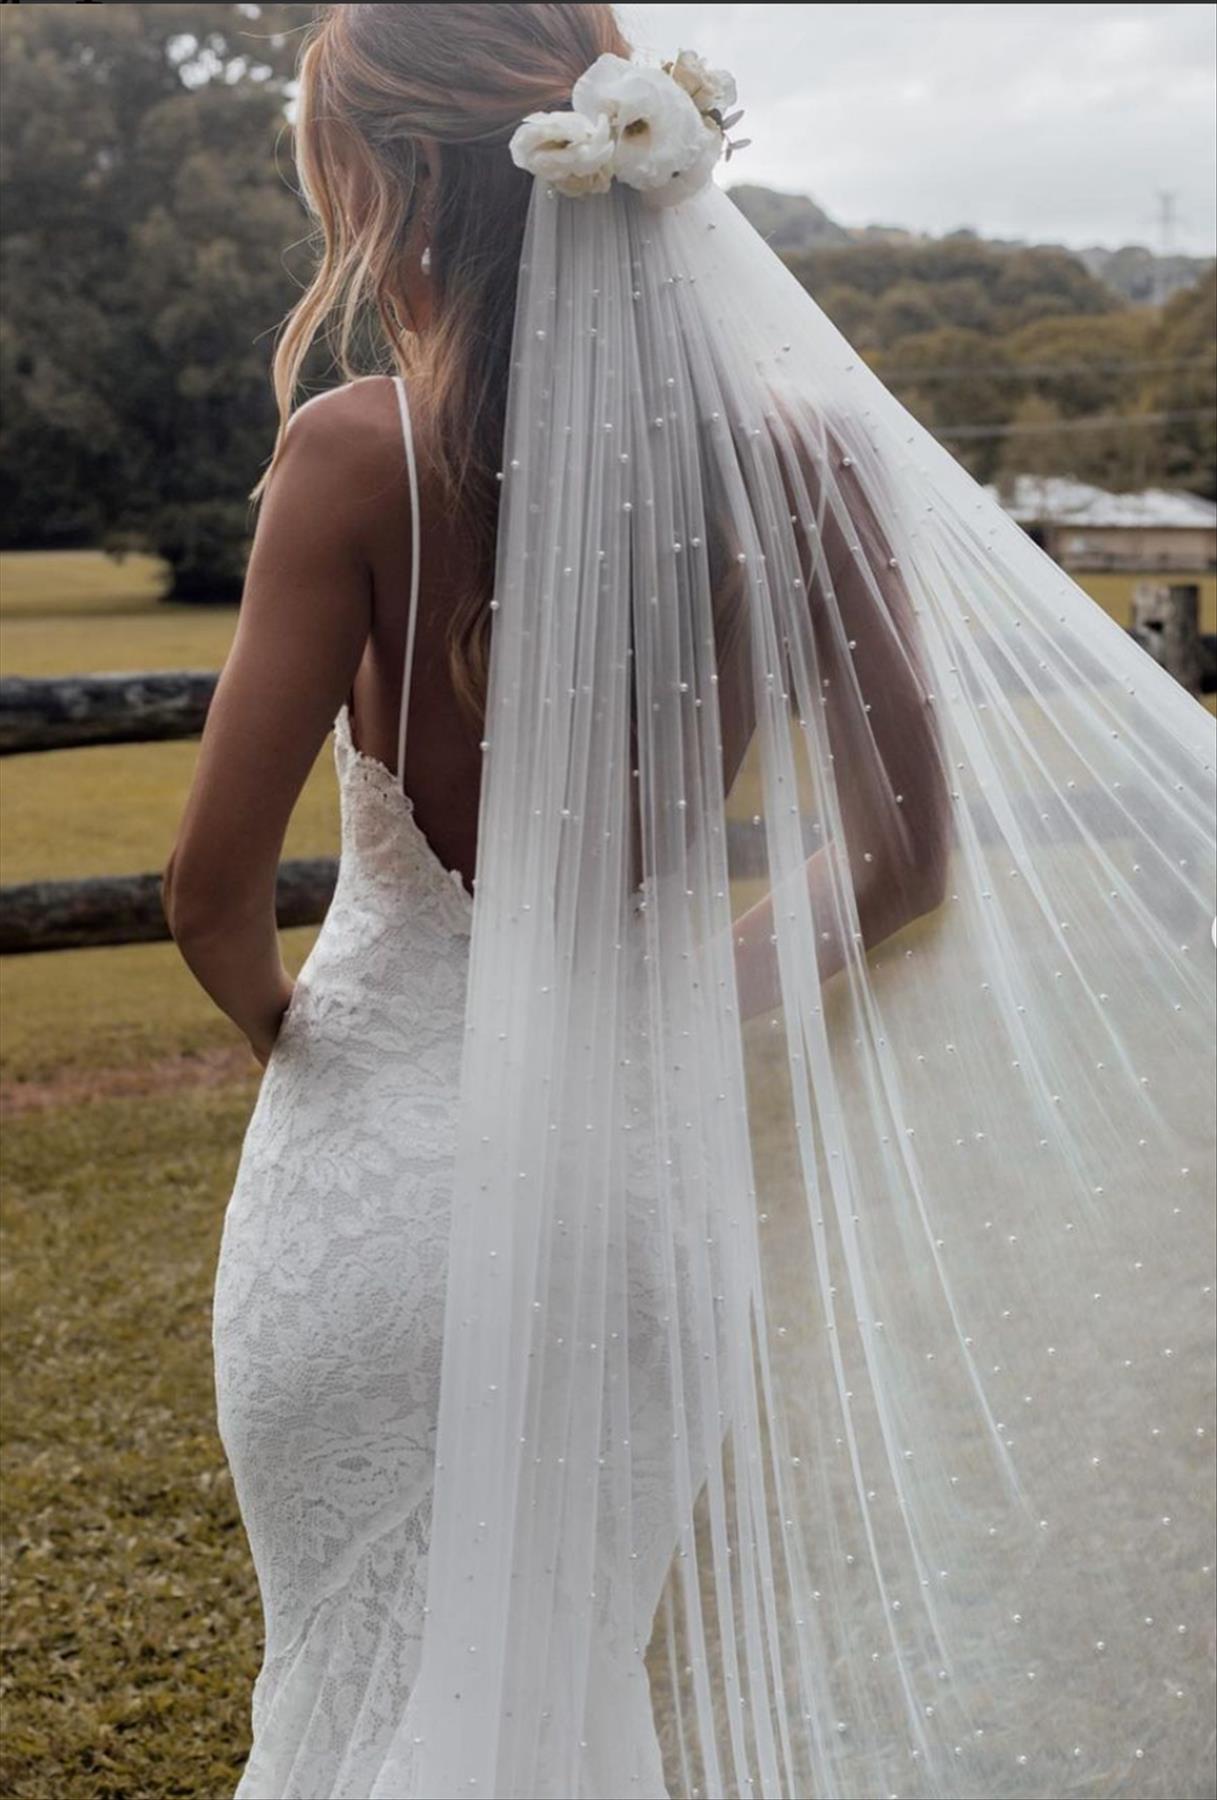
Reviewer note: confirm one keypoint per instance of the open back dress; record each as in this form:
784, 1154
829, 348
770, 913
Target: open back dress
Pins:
329, 1310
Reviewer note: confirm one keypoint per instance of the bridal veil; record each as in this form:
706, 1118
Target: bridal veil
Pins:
830, 1302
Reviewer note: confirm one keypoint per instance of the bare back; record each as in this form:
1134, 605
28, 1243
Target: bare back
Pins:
443, 755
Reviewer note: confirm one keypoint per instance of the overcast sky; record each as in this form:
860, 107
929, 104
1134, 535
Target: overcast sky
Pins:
1055, 123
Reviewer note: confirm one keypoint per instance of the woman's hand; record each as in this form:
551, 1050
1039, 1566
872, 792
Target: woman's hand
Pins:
262, 1042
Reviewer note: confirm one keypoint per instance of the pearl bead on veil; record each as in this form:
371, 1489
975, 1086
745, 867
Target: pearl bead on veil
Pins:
828, 1347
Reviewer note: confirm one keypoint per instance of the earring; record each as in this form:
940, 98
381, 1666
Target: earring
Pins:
424, 261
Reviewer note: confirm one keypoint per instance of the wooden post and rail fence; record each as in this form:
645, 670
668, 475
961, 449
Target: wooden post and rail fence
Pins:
85, 710
78, 711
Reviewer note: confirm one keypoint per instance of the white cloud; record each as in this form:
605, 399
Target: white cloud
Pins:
1055, 122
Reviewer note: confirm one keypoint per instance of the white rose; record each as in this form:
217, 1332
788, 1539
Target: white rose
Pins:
660, 135
695, 177
599, 89
572, 150
711, 90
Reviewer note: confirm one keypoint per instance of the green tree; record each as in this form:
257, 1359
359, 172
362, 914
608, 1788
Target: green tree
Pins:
963, 301
950, 378
852, 312
1186, 338
1079, 399
1044, 441
975, 285
1082, 364
143, 245
1041, 283
906, 308
1027, 342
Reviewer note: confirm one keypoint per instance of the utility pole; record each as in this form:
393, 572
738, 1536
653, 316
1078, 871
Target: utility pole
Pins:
1167, 217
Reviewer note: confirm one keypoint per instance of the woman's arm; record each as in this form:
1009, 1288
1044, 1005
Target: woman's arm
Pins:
304, 620
888, 770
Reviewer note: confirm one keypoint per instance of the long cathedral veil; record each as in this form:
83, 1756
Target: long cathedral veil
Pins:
829, 1307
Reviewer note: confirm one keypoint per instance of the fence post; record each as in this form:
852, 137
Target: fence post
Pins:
1166, 623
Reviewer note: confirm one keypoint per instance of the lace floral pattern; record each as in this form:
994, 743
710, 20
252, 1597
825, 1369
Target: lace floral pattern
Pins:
328, 1309
328, 1324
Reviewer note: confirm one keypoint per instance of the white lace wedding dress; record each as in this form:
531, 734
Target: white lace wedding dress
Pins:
328, 1313
328, 1326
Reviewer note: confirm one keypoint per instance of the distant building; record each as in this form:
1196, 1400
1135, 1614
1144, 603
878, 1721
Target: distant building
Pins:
1084, 527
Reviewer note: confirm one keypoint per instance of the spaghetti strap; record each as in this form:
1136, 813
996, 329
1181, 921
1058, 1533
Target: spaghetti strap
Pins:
403, 407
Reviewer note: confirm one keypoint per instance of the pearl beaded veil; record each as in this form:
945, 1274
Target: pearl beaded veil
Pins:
829, 1309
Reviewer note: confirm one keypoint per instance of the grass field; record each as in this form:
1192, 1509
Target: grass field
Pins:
132, 1621
132, 1626
110, 810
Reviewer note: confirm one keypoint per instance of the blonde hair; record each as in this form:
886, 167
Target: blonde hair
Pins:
373, 80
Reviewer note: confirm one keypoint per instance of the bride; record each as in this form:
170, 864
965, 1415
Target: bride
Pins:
715, 1297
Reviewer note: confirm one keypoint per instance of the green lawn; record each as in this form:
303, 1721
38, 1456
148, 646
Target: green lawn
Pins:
79, 1013
68, 612
111, 810
132, 1626
132, 1629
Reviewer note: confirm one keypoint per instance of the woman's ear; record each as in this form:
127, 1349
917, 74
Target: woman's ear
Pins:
429, 157
414, 283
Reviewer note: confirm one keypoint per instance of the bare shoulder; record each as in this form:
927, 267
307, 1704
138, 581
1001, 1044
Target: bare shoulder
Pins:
341, 475
353, 430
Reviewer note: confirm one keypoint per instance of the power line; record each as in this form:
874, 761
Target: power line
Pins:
1023, 371
1166, 244
1057, 425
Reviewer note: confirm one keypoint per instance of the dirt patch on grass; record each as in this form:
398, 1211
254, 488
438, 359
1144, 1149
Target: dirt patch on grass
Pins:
170, 1074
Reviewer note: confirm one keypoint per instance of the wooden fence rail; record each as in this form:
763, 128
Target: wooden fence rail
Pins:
83, 710
127, 909
71, 712
80, 710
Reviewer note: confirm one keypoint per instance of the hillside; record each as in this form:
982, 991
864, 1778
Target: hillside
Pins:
794, 223
789, 222
1019, 357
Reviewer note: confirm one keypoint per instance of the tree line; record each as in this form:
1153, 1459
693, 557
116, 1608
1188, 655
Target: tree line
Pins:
152, 240
1030, 349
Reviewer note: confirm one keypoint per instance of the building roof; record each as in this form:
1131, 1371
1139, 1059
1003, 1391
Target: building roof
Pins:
1057, 500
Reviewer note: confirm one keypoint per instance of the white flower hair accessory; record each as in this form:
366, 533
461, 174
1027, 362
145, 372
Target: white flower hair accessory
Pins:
660, 131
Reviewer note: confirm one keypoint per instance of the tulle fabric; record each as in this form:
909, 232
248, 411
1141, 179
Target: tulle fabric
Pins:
829, 1308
